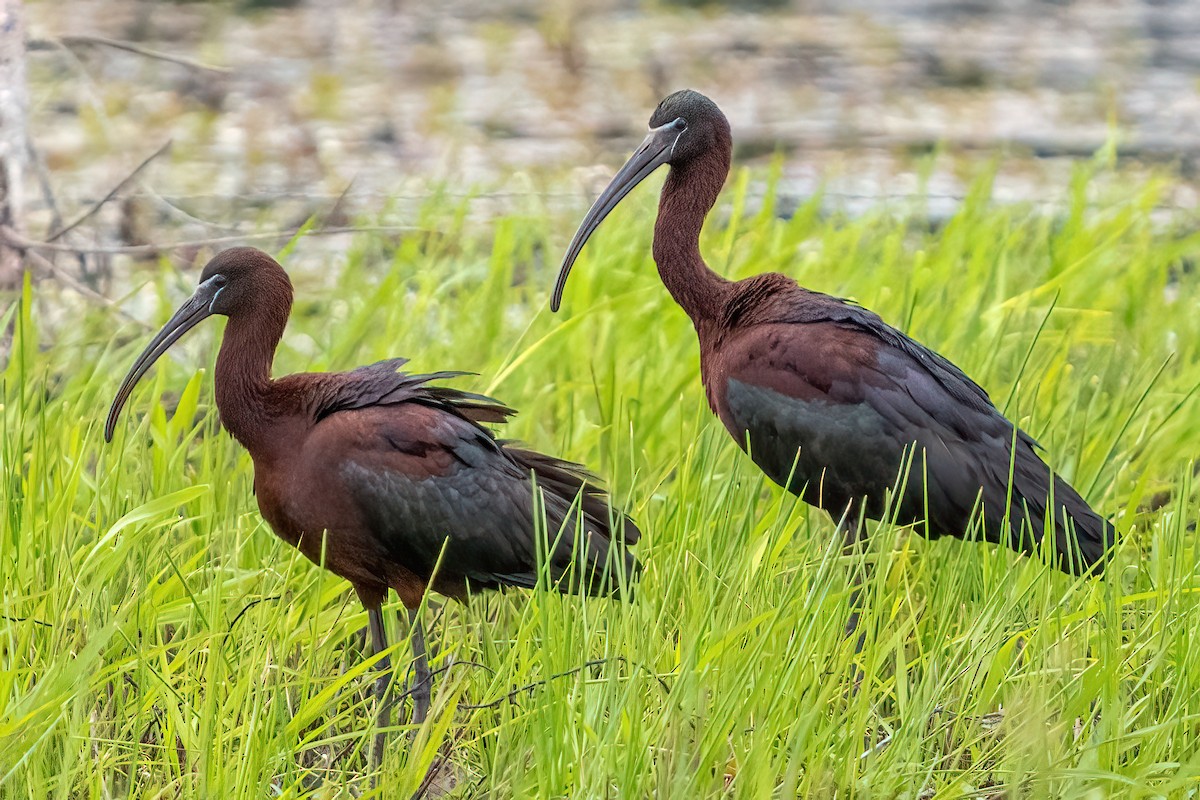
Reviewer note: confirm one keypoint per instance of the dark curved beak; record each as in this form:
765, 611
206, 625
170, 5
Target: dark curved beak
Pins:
653, 152
197, 308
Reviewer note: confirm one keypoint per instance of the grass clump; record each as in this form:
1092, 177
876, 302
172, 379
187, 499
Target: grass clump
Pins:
157, 640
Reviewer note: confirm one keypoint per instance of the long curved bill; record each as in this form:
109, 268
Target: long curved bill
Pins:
197, 308
653, 152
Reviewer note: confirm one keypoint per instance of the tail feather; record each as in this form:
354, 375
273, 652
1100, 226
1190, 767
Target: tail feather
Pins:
475, 407
1082, 538
568, 489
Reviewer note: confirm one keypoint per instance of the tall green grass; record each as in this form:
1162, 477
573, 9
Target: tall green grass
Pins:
156, 640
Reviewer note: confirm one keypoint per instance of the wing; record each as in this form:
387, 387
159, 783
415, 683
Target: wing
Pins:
839, 406
807, 307
382, 384
427, 482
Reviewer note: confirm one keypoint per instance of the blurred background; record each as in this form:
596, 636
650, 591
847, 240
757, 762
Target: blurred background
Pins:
276, 111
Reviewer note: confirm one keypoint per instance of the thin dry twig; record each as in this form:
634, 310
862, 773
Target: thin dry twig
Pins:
58, 273
247, 607
162, 148
511, 697
129, 47
28, 619
62, 276
435, 672
14, 239
171, 208
52, 269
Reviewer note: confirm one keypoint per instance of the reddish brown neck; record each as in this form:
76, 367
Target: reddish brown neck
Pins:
243, 374
687, 196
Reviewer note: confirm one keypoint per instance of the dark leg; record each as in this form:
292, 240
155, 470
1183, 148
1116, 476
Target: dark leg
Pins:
383, 703
421, 677
854, 537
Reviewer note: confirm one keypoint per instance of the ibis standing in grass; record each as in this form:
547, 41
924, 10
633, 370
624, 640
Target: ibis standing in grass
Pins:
829, 400
386, 478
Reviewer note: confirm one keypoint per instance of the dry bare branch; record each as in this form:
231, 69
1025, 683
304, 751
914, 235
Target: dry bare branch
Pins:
15, 240
111, 194
130, 47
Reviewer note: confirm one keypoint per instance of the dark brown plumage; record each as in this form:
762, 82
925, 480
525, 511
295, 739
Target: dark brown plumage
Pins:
830, 401
387, 479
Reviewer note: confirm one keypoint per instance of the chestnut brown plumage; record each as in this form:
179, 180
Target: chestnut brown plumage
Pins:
831, 401
385, 478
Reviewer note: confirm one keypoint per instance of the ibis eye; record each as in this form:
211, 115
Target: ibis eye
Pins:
680, 124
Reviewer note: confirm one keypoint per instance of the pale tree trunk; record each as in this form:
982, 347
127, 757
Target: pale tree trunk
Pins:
14, 151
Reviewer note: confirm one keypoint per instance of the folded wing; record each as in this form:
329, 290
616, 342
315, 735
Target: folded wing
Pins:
845, 409
439, 493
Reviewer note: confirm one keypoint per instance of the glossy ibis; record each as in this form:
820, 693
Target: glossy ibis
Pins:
385, 478
829, 400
